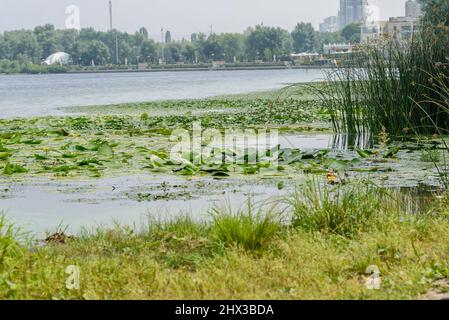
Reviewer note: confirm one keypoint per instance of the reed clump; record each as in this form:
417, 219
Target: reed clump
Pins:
388, 80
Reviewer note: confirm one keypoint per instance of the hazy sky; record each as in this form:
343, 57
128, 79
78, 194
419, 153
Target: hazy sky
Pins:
182, 17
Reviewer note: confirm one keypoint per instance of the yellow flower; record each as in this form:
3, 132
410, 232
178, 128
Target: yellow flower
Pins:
331, 177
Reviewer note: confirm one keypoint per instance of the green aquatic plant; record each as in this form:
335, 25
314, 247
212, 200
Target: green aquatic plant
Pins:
10, 169
379, 93
343, 209
251, 228
10, 238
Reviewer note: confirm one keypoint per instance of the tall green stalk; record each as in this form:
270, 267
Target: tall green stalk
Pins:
380, 91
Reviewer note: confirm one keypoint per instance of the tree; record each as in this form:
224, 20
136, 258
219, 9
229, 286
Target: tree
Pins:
210, 48
125, 52
322, 38
262, 38
172, 53
143, 31
149, 51
232, 46
46, 37
188, 52
3, 48
66, 39
22, 43
352, 33
97, 52
167, 36
303, 37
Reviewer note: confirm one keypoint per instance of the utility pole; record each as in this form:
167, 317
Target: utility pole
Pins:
110, 16
162, 45
112, 31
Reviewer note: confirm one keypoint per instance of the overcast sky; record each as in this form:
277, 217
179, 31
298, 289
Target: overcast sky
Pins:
181, 17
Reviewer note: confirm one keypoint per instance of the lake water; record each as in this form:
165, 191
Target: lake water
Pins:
42, 205
35, 95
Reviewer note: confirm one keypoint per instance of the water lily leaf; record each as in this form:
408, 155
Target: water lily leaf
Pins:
273, 151
156, 162
338, 165
250, 170
60, 132
213, 168
264, 164
105, 150
80, 148
32, 141
15, 139
14, 168
391, 153
142, 149
87, 162
315, 154
220, 174
3, 149
4, 155
63, 169
371, 169
364, 153
70, 155
40, 157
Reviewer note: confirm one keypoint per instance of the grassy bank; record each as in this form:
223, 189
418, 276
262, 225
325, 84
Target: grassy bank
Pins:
318, 251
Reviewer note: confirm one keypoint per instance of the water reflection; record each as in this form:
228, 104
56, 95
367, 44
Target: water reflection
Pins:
352, 141
416, 200
336, 142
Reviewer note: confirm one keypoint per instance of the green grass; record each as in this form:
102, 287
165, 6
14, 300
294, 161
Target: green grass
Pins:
250, 228
241, 255
341, 210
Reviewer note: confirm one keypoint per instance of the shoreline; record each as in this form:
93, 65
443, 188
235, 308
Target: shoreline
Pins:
178, 69
204, 69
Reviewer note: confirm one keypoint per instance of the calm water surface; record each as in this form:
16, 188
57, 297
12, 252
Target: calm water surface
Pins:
34, 95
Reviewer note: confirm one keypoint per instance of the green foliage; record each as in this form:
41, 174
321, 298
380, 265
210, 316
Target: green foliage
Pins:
352, 33
250, 228
180, 259
322, 38
342, 210
97, 52
394, 86
436, 12
303, 37
87, 45
264, 42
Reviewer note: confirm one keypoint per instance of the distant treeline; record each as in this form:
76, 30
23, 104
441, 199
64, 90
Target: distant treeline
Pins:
24, 50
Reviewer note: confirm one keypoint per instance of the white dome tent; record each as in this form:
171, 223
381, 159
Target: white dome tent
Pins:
60, 58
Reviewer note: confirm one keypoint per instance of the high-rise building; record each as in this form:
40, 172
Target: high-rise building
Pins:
413, 9
352, 11
330, 24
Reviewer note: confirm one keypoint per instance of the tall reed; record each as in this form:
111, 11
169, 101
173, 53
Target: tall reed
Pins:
388, 77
